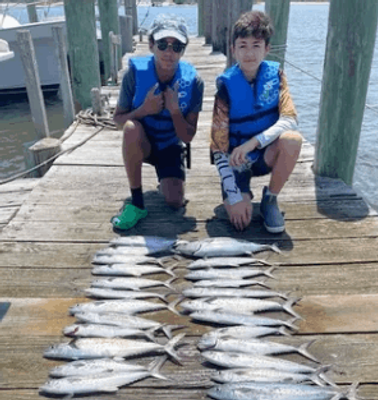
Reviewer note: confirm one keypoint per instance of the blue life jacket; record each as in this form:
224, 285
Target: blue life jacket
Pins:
160, 126
253, 109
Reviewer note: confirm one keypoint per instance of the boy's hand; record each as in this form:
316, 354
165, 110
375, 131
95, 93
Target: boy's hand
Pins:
240, 214
238, 155
153, 103
171, 99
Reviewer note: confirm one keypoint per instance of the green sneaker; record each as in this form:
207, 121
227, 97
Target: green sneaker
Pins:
128, 218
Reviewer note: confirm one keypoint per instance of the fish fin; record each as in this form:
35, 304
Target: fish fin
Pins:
324, 380
275, 248
351, 393
169, 347
168, 282
303, 350
109, 388
171, 306
156, 365
289, 304
69, 396
167, 329
169, 271
268, 272
290, 323
149, 333
283, 331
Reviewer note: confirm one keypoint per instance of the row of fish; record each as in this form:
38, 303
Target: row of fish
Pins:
109, 330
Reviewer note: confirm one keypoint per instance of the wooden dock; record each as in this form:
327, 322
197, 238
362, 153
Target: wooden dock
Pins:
48, 239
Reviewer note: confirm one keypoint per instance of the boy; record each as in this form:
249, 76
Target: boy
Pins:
158, 107
254, 125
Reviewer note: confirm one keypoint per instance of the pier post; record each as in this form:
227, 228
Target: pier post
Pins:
131, 9
83, 50
109, 23
208, 21
200, 17
32, 12
220, 26
33, 84
65, 82
352, 27
278, 11
126, 30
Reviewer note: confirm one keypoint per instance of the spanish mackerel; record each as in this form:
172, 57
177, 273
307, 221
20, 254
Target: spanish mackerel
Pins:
229, 262
239, 305
130, 283
128, 259
124, 306
224, 318
220, 247
103, 293
130, 270
242, 360
109, 348
107, 382
253, 346
228, 283
236, 273
244, 332
279, 391
92, 367
197, 292
268, 375
107, 331
153, 242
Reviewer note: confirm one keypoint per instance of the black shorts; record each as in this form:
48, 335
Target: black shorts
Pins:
243, 178
168, 162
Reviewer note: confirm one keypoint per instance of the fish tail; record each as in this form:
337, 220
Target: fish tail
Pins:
169, 347
319, 378
171, 306
167, 329
283, 331
290, 323
288, 306
303, 350
169, 281
269, 271
275, 248
149, 333
169, 270
156, 365
351, 393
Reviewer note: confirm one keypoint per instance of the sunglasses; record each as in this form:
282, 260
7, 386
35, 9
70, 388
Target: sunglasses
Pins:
177, 46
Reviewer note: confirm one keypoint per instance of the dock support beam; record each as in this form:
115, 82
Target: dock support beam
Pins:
351, 34
32, 12
83, 50
200, 17
220, 26
278, 11
131, 9
208, 21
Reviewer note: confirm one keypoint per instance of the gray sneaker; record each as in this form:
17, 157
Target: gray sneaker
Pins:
273, 219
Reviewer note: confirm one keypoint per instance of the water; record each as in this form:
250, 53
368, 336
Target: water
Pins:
307, 33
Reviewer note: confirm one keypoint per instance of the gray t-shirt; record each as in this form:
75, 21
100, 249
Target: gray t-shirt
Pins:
127, 92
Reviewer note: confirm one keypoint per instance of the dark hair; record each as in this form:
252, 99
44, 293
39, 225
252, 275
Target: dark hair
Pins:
253, 23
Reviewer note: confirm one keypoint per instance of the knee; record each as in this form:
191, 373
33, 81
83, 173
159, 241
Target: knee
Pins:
290, 142
132, 128
173, 193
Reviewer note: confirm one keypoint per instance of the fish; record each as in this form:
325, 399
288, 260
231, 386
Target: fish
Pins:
123, 306
254, 346
155, 243
125, 321
279, 391
108, 348
224, 318
128, 259
104, 293
130, 270
229, 262
220, 247
240, 305
197, 292
244, 332
124, 251
239, 273
268, 375
131, 283
108, 382
228, 283
107, 331
243, 360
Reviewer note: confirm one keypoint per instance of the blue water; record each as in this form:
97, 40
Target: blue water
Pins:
306, 43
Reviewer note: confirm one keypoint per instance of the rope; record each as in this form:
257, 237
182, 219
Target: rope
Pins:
86, 117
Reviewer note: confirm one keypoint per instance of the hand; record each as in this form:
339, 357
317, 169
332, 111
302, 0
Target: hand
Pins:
153, 103
171, 98
238, 155
240, 214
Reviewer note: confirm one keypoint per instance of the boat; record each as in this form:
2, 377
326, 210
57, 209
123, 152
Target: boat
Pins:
5, 53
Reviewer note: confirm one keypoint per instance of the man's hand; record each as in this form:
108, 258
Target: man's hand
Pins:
238, 155
153, 103
171, 99
240, 214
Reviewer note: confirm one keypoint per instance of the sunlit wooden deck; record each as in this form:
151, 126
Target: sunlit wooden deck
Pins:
47, 241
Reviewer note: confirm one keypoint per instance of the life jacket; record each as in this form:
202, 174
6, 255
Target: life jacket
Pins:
253, 109
160, 126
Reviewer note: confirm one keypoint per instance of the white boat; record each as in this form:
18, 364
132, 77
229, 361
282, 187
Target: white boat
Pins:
5, 53
12, 79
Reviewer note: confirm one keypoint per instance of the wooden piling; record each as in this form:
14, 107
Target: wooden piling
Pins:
83, 50
33, 84
109, 23
352, 28
208, 21
200, 17
32, 12
131, 9
278, 11
126, 31
220, 25
65, 81
114, 42
96, 101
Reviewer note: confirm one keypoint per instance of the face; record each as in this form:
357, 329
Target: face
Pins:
249, 52
168, 52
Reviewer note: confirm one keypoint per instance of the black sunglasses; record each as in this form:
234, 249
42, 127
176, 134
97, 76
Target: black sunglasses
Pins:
177, 46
